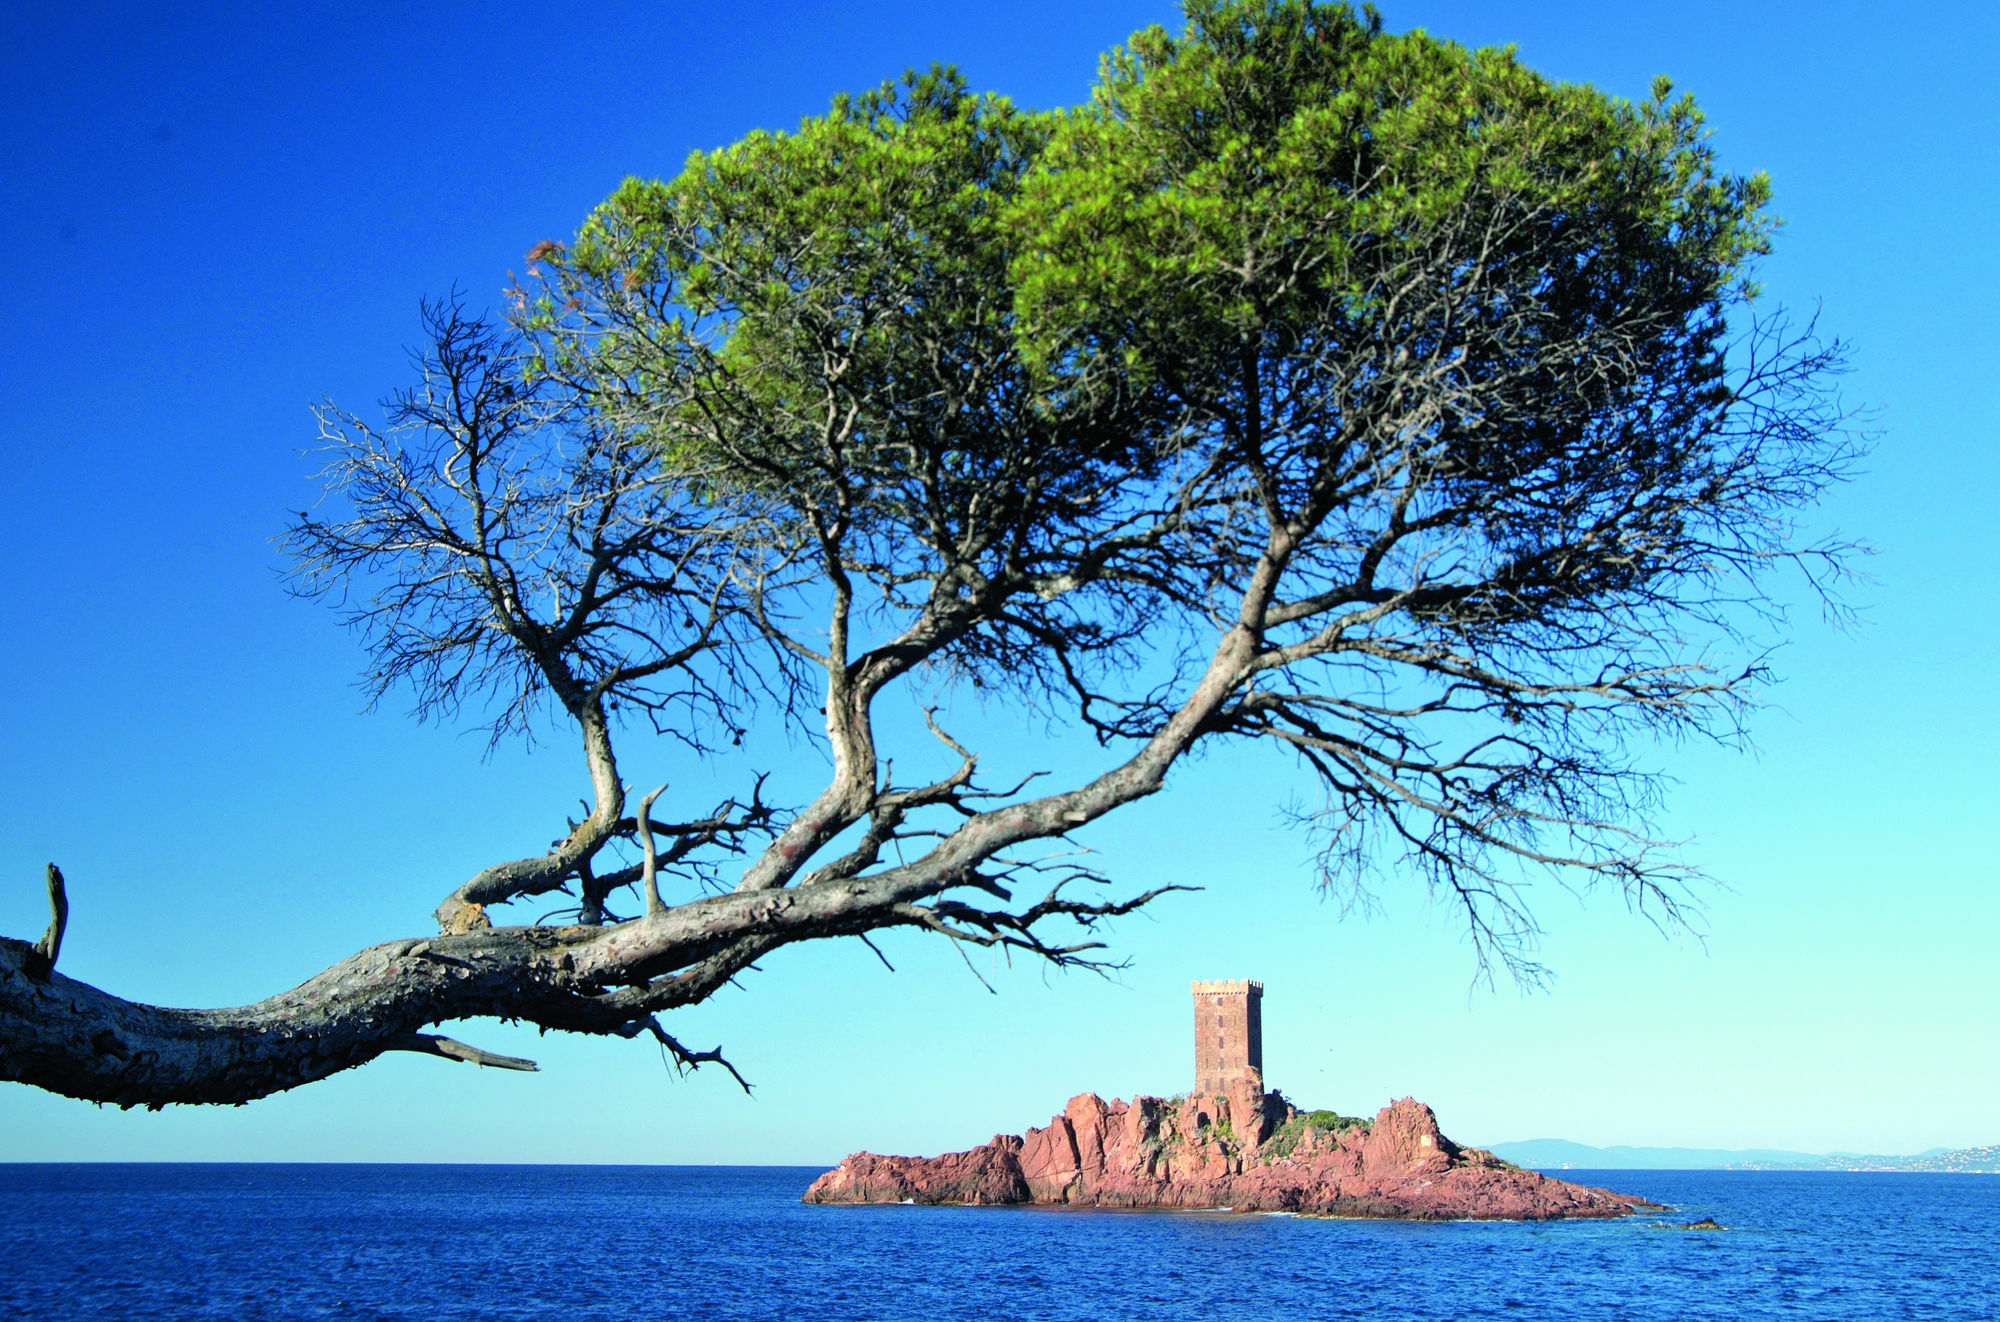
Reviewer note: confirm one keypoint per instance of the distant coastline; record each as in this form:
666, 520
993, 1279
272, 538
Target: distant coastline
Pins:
1561, 1154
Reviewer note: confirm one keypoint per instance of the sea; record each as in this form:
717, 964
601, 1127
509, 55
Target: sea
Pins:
634, 1243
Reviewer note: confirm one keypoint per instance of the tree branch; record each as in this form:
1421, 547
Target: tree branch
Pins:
431, 1044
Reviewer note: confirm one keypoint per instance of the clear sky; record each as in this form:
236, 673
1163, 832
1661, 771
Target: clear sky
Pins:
221, 213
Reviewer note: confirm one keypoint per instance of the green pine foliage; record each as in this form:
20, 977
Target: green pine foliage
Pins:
1411, 360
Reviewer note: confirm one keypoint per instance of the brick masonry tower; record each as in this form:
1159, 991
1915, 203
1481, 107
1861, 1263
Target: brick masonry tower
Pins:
1229, 1038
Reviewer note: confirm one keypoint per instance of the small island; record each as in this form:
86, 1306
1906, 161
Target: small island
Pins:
1229, 1143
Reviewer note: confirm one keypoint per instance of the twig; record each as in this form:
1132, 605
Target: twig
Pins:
684, 1059
878, 952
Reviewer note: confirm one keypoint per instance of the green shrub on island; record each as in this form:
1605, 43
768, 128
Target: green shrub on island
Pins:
1285, 1140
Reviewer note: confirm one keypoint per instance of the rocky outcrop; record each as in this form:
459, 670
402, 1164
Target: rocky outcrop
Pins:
1249, 1153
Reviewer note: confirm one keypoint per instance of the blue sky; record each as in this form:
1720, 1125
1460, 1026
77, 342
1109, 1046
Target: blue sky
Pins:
220, 214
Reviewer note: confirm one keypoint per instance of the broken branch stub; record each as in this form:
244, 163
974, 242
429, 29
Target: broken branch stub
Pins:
43, 953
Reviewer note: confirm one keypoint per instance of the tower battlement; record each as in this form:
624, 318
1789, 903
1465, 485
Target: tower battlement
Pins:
1229, 1037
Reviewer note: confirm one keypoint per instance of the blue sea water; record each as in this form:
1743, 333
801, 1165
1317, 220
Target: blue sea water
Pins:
639, 1243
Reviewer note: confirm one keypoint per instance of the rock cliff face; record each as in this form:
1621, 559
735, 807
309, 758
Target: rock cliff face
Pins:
1248, 1153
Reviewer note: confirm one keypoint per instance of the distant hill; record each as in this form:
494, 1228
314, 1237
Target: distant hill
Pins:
1984, 1161
1561, 1154
1558, 1153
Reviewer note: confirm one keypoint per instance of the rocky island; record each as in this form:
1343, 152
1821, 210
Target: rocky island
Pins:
1194, 1152
1227, 1144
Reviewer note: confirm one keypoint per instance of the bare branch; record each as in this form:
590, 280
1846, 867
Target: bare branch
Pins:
649, 883
451, 1049
685, 1059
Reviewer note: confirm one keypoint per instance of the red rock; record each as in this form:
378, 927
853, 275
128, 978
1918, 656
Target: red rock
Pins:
1251, 1154
1048, 1161
991, 1174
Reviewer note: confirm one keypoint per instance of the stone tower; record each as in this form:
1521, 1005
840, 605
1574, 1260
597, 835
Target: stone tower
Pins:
1229, 1038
